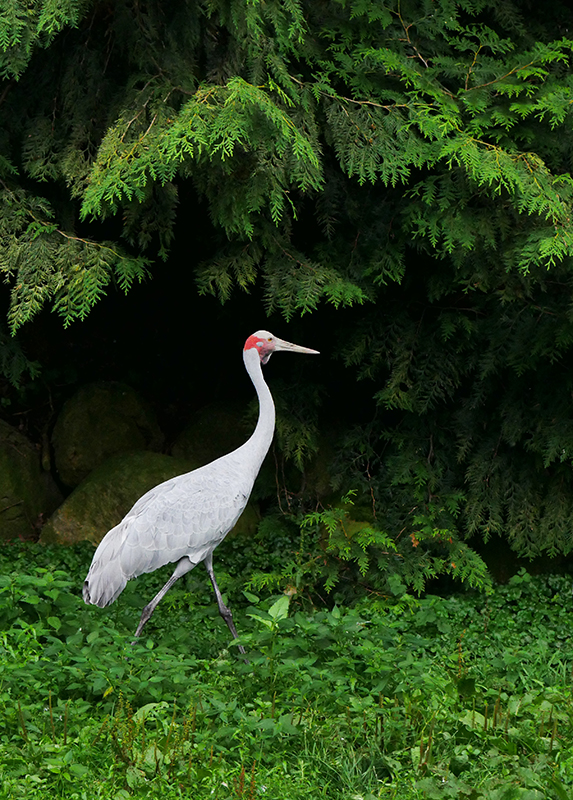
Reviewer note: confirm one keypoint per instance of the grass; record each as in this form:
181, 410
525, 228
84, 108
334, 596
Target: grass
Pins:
456, 697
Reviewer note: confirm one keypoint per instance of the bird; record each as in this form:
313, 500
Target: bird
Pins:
182, 520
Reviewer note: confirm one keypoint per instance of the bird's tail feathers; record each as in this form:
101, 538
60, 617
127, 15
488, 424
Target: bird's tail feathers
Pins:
99, 590
106, 579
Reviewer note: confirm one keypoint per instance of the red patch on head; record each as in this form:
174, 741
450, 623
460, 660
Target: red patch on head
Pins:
252, 342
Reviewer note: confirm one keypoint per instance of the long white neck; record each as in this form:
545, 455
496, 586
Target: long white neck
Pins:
260, 441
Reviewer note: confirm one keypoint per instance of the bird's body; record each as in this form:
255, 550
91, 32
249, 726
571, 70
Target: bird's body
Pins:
184, 519
186, 516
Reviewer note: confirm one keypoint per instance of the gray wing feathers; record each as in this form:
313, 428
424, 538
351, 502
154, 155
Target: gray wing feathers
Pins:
186, 516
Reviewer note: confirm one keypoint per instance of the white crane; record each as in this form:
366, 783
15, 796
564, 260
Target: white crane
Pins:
184, 519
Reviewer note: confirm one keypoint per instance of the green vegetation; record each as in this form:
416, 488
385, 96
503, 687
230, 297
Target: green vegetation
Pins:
397, 171
391, 698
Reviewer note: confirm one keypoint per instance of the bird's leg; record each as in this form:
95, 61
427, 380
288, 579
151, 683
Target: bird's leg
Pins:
182, 568
223, 610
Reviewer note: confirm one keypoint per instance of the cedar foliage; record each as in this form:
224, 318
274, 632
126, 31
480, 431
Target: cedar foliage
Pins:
411, 157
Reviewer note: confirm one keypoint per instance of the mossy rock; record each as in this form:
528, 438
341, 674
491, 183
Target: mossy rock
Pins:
101, 420
213, 432
27, 492
247, 524
108, 493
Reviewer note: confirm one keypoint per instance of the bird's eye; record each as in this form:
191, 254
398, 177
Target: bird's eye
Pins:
270, 339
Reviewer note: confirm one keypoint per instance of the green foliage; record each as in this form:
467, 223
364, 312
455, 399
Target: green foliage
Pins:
14, 365
475, 430
270, 109
26, 26
350, 541
412, 158
296, 420
219, 124
339, 550
458, 696
48, 264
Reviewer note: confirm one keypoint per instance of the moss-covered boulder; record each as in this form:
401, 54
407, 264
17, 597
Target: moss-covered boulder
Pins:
247, 523
101, 420
28, 494
107, 494
214, 431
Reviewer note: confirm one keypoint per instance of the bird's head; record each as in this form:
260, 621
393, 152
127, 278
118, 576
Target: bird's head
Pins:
266, 344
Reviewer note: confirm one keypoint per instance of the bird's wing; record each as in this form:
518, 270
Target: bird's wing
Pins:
188, 515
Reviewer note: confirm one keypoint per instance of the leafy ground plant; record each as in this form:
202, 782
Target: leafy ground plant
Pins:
462, 696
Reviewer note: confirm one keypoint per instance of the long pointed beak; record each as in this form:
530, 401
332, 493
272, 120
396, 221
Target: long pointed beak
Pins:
280, 344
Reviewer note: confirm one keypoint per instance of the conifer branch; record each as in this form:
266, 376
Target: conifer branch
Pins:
406, 29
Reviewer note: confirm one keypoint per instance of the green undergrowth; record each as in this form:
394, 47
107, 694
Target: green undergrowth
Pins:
465, 696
